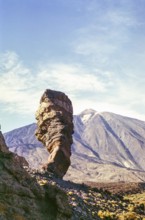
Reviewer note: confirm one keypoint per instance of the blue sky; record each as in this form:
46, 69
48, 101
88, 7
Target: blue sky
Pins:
93, 50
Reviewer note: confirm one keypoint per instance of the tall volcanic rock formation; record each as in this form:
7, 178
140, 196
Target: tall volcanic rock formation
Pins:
55, 128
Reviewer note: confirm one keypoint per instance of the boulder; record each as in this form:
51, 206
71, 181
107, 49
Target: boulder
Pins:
54, 129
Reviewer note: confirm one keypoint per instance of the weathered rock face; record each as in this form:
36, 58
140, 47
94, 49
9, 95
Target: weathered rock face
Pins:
55, 128
23, 196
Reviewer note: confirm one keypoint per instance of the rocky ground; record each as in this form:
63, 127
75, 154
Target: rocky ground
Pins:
31, 195
120, 201
22, 197
28, 195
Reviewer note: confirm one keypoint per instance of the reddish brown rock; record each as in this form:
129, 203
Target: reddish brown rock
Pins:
55, 128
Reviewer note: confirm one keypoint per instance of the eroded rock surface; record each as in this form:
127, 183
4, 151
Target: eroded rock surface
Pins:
55, 128
25, 197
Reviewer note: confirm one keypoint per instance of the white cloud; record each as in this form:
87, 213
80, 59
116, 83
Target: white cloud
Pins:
108, 36
8, 60
72, 78
21, 88
121, 17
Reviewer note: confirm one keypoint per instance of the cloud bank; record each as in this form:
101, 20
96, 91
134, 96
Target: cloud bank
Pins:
21, 87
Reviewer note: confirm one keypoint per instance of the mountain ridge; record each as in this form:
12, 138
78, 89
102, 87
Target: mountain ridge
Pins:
100, 139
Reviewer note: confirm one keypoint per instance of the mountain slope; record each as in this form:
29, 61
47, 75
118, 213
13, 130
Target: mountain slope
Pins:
103, 143
23, 142
111, 138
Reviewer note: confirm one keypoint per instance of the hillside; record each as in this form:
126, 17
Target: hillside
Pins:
26, 194
23, 196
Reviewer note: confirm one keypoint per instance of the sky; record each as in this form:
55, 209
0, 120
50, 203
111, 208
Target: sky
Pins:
93, 50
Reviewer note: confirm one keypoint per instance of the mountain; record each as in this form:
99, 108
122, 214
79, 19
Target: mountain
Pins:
23, 142
106, 147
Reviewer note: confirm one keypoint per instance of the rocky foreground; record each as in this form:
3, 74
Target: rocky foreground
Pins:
29, 195
23, 197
